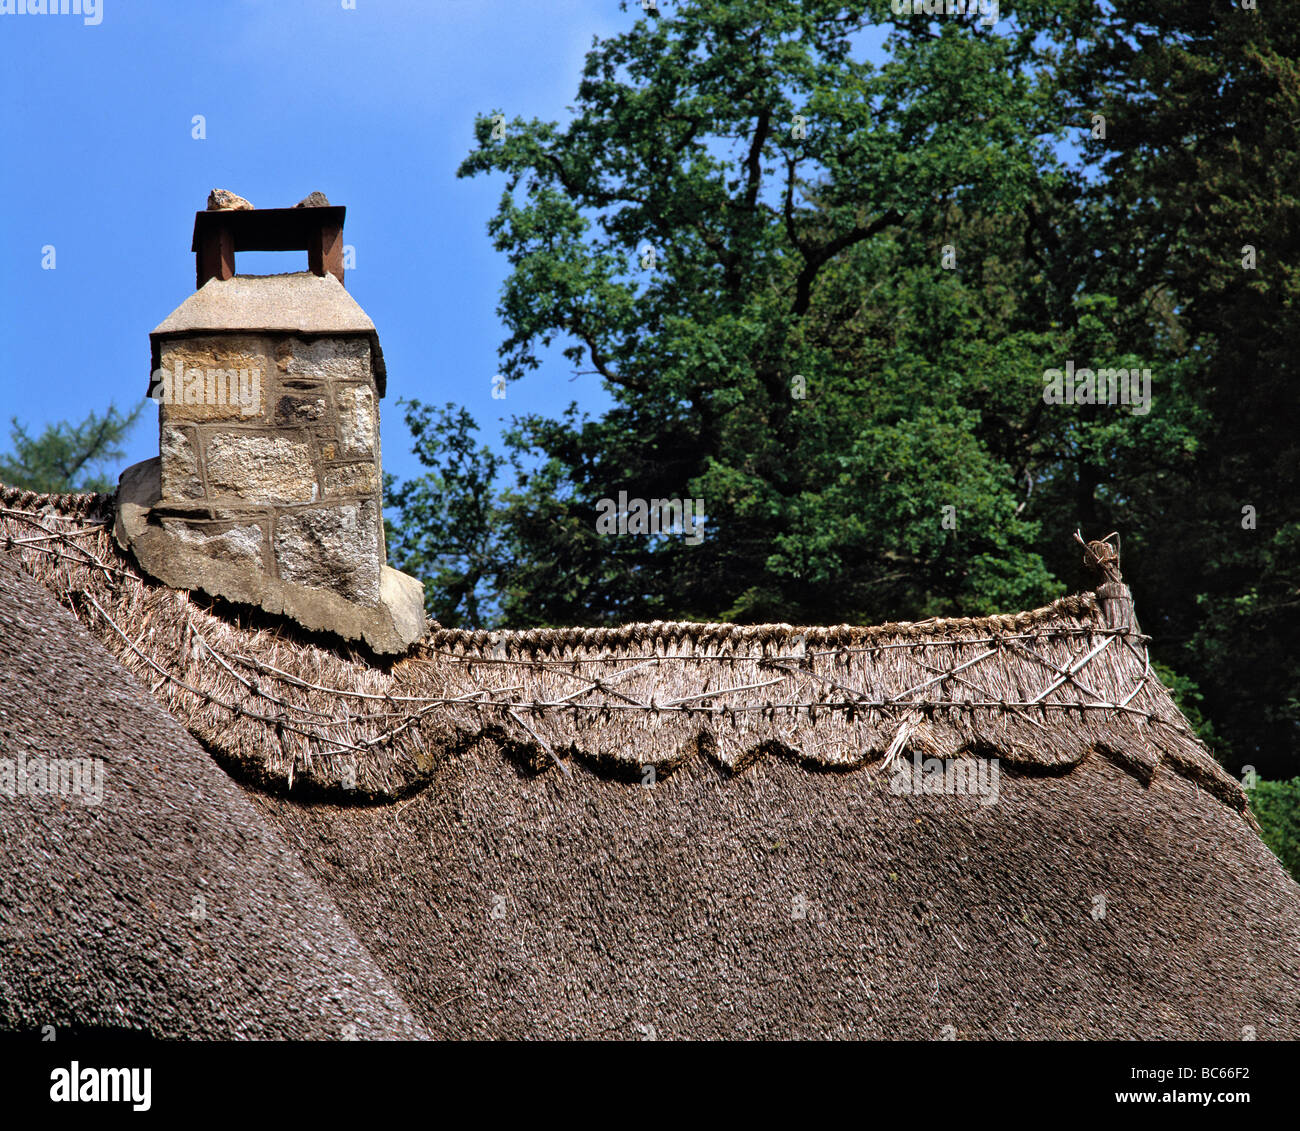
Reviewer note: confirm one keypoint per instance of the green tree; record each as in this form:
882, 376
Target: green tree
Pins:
68, 456
1276, 805
450, 532
1194, 225
733, 178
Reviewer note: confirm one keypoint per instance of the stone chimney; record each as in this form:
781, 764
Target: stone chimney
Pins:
268, 486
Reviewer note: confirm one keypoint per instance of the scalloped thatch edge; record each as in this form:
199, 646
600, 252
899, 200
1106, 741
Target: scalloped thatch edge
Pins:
287, 710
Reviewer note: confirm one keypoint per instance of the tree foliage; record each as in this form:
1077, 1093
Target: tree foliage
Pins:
824, 295
735, 184
68, 456
1195, 221
450, 533
1276, 805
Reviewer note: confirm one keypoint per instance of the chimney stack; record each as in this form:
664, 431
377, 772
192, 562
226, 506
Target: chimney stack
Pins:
268, 485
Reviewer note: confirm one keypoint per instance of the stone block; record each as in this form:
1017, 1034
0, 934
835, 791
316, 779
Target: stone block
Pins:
334, 548
212, 379
336, 359
239, 545
258, 468
351, 479
358, 419
180, 464
299, 408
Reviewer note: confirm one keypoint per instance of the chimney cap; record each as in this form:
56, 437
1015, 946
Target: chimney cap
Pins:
220, 233
268, 229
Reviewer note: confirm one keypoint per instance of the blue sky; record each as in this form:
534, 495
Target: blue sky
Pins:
373, 106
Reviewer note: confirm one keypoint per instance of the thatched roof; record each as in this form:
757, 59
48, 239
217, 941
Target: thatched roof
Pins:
167, 907
709, 829
785, 903
1040, 690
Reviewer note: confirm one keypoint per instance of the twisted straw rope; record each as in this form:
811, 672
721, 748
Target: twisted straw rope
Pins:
69, 505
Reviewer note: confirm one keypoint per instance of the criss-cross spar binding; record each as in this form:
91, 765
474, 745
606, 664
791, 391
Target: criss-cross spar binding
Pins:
1040, 690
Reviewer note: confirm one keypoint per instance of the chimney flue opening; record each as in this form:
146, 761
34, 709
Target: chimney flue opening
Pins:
220, 234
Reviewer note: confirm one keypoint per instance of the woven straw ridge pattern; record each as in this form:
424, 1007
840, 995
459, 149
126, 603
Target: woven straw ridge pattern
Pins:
1040, 690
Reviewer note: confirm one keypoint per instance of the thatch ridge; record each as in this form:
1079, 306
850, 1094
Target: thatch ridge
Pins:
1042, 690
71, 504
697, 634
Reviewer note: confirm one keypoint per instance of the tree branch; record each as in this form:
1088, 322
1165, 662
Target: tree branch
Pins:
814, 262
599, 196
754, 162
790, 162
600, 361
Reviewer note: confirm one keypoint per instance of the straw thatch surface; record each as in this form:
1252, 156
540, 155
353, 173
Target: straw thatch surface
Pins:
168, 907
1040, 690
744, 888
782, 903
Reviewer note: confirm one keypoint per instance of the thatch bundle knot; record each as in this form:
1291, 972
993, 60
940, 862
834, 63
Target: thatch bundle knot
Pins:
1113, 595
1101, 557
